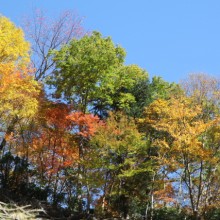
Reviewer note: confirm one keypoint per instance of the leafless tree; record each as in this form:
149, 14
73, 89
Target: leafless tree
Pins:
46, 34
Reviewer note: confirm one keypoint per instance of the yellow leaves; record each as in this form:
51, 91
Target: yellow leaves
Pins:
18, 91
13, 47
155, 111
182, 122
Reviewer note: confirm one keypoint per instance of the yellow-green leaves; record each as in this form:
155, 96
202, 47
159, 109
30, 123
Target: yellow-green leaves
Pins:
121, 144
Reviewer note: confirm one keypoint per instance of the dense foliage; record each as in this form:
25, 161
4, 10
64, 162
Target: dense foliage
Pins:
98, 137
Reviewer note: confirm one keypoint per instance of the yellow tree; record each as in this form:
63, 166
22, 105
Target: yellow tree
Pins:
18, 97
13, 46
18, 90
19, 94
180, 136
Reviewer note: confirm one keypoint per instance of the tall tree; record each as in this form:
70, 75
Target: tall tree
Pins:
84, 68
123, 160
182, 149
53, 150
19, 97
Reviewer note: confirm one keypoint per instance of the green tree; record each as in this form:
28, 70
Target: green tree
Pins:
160, 89
145, 91
127, 82
123, 158
84, 68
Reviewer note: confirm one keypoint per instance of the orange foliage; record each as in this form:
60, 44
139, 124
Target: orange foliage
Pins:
85, 124
165, 195
57, 117
53, 153
55, 149
56, 146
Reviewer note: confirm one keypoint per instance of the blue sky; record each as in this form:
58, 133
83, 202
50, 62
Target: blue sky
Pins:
167, 38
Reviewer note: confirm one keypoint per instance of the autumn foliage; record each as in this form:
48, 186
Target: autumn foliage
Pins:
80, 130
13, 46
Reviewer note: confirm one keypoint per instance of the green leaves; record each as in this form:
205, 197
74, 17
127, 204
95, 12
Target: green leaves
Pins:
83, 66
90, 73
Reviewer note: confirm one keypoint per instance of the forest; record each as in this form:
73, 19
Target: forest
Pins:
85, 136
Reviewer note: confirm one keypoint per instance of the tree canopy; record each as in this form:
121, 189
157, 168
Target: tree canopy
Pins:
111, 141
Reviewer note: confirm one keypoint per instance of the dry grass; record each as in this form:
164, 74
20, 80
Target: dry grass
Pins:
14, 212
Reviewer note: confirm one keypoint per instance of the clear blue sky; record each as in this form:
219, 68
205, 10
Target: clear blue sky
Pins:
168, 38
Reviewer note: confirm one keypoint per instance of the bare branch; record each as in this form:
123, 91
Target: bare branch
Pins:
46, 34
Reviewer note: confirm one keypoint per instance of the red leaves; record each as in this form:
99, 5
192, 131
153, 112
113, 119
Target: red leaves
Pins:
52, 152
57, 117
84, 124
57, 145
54, 148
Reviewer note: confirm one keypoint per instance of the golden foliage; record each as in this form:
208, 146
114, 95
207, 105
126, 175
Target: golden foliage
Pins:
183, 124
13, 47
18, 92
